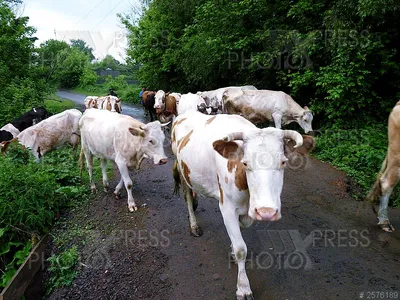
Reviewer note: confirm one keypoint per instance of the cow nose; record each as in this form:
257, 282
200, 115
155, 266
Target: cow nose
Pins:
163, 161
266, 214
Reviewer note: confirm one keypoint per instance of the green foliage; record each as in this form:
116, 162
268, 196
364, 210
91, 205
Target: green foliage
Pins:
55, 104
30, 197
88, 77
83, 47
107, 62
22, 85
116, 83
71, 67
63, 268
359, 152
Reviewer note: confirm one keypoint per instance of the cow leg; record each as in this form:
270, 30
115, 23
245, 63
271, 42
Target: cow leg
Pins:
195, 230
388, 182
89, 163
123, 169
277, 119
239, 249
118, 188
103, 164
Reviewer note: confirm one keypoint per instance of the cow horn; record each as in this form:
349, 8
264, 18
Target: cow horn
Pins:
165, 124
295, 136
233, 136
142, 127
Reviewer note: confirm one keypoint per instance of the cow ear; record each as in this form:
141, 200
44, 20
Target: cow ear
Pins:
136, 131
307, 146
306, 108
229, 150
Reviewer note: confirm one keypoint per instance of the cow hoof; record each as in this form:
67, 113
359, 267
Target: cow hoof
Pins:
105, 190
195, 204
196, 231
94, 189
245, 297
386, 227
132, 208
116, 196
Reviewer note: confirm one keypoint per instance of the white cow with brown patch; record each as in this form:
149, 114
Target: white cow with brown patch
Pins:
51, 133
261, 106
227, 158
123, 140
389, 174
110, 103
91, 102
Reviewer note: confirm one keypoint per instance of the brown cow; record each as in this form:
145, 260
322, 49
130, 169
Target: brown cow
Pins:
388, 176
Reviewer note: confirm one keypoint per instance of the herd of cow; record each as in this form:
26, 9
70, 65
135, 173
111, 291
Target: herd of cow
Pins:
220, 152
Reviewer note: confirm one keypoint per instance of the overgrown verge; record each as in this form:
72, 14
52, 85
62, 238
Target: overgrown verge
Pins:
127, 93
31, 197
55, 104
358, 152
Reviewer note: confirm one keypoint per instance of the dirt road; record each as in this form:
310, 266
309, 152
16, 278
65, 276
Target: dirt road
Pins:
326, 246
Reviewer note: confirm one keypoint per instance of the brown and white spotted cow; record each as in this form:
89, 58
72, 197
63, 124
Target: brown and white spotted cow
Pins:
389, 174
91, 102
166, 105
227, 158
110, 103
51, 133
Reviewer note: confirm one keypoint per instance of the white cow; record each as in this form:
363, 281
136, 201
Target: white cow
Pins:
239, 165
261, 106
190, 102
214, 98
11, 129
123, 140
51, 133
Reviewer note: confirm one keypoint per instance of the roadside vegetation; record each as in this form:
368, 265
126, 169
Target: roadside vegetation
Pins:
340, 58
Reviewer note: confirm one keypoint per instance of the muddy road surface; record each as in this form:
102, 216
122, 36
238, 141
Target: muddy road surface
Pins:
326, 246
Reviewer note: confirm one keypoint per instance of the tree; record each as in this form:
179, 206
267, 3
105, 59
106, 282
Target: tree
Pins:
107, 62
21, 84
82, 46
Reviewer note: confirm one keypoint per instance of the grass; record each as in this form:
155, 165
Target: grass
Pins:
358, 152
55, 104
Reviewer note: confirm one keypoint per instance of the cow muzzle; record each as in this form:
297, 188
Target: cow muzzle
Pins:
266, 214
163, 161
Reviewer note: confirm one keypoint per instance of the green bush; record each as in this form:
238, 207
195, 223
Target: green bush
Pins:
63, 268
116, 83
359, 152
89, 77
31, 195
130, 94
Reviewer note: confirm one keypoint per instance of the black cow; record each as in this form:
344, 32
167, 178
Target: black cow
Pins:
32, 117
5, 136
149, 106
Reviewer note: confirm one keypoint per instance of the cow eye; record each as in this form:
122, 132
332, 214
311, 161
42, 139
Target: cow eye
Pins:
283, 164
245, 164
151, 141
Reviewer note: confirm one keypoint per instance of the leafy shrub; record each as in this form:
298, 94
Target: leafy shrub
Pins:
130, 94
116, 83
359, 152
88, 77
31, 194
63, 268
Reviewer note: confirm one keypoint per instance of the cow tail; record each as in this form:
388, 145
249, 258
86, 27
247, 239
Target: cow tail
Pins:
376, 192
177, 179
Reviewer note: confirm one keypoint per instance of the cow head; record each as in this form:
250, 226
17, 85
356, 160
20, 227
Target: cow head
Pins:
113, 104
305, 120
259, 162
159, 100
152, 141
